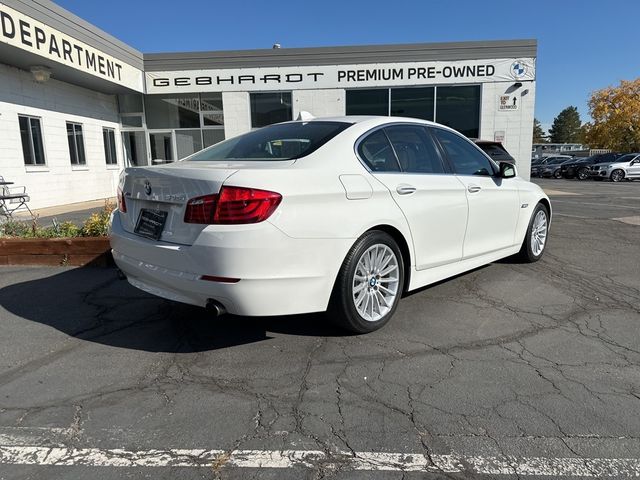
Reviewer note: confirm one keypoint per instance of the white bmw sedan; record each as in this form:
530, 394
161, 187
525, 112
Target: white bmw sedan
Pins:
340, 214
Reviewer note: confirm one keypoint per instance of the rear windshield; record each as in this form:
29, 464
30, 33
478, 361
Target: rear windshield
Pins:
495, 151
284, 141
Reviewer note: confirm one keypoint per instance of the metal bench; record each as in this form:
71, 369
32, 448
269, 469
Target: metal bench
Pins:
12, 199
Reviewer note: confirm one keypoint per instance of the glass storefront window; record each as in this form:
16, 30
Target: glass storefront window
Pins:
130, 103
211, 136
135, 148
131, 120
459, 108
161, 147
211, 107
268, 108
188, 142
368, 102
412, 102
172, 111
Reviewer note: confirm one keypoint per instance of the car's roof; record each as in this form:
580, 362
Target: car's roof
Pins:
368, 119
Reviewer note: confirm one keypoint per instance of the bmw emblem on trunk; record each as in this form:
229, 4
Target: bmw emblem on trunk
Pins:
147, 187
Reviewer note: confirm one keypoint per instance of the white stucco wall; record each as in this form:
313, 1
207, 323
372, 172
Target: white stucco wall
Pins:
55, 103
319, 103
237, 113
517, 125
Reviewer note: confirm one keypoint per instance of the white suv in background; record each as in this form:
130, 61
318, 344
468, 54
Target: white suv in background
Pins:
626, 167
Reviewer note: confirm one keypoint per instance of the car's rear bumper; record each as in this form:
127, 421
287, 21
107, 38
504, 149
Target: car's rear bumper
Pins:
278, 275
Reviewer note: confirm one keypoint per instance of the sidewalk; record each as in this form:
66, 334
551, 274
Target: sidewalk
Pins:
72, 212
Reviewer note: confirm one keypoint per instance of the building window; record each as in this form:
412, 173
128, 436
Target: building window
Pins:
459, 108
109, 139
268, 108
31, 136
368, 102
172, 111
76, 144
455, 107
413, 102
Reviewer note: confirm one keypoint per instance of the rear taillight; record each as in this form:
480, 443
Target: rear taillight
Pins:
201, 209
122, 205
232, 206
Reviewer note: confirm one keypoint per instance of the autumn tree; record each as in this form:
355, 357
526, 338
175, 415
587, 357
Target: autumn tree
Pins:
615, 113
566, 127
538, 132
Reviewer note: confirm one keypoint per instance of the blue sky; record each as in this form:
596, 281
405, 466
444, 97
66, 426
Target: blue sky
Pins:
582, 45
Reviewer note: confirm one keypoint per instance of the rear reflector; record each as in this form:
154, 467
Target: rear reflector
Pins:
213, 278
232, 206
122, 205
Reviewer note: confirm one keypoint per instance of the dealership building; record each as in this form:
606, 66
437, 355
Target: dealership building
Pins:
77, 105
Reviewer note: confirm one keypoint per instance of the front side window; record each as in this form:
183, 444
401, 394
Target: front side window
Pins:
270, 108
465, 157
109, 139
376, 151
76, 144
31, 136
277, 142
415, 149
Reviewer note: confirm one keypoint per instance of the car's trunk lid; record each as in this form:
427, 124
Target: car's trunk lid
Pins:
168, 188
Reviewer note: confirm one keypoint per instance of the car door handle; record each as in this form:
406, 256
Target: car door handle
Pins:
474, 188
404, 189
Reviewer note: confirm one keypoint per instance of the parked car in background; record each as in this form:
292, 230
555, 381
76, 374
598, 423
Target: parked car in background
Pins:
580, 168
626, 167
495, 150
551, 168
538, 167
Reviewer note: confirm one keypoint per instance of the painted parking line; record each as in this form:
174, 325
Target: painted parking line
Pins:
579, 202
279, 459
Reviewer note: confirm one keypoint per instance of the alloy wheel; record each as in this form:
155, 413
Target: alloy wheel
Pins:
617, 175
376, 282
539, 233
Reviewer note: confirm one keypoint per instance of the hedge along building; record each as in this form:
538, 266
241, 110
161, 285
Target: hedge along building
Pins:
107, 106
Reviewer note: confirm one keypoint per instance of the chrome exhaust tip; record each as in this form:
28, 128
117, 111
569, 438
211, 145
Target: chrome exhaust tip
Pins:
215, 307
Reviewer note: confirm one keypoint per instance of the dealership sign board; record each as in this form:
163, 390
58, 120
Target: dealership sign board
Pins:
341, 76
26, 33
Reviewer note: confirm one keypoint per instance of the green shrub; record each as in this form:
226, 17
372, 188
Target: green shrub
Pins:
97, 225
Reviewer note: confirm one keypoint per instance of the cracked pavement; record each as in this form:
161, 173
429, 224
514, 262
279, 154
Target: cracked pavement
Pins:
510, 359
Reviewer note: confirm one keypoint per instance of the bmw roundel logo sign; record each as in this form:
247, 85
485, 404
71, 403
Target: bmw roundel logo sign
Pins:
518, 69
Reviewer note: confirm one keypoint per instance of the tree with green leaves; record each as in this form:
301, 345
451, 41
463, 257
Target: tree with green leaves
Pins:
538, 132
566, 127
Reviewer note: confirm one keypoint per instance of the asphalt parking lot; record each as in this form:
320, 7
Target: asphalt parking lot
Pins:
511, 370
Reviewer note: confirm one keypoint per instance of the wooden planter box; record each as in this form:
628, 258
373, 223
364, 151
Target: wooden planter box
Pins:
94, 251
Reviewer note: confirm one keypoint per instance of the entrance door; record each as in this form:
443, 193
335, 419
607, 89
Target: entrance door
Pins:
161, 144
135, 148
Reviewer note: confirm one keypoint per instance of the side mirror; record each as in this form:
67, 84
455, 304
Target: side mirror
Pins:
507, 170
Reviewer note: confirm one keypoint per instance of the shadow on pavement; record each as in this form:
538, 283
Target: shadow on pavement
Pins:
93, 305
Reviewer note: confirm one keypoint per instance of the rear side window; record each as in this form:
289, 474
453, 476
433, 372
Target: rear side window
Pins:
465, 158
415, 149
377, 153
285, 141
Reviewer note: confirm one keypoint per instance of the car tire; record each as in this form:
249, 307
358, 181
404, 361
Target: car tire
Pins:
583, 174
537, 231
557, 174
617, 175
369, 285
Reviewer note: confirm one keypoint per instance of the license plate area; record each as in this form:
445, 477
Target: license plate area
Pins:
150, 223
